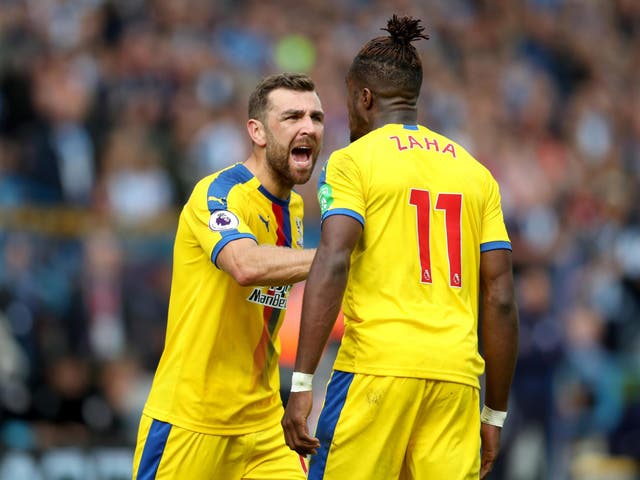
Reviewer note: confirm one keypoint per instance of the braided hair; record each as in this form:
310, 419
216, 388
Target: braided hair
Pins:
391, 63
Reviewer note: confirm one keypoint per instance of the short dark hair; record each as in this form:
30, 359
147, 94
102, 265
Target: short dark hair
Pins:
391, 63
258, 101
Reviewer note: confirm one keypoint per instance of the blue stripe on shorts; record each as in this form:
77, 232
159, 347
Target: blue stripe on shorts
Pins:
153, 450
334, 401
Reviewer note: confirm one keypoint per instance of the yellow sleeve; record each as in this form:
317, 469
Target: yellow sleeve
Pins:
494, 232
214, 224
340, 188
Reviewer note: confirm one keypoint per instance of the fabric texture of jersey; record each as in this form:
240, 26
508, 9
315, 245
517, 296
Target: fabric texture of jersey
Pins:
428, 210
218, 372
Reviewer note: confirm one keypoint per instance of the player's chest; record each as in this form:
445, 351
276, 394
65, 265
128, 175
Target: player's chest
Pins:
277, 225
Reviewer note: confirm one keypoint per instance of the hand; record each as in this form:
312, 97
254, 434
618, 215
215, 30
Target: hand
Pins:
490, 436
294, 423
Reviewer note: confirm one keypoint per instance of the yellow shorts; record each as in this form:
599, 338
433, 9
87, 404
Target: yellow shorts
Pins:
389, 428
165, 451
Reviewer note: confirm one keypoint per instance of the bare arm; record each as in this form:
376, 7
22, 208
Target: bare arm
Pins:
324, 288
499, 343
252, 264
499, 326
320, 307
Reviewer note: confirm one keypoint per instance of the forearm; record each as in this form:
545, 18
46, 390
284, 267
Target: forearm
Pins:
251, 264
273, 266
500, 349
321, 304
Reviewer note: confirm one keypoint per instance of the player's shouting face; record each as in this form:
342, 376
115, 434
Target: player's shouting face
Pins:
294, 126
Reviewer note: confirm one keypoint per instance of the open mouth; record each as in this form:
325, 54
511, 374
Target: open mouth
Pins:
301, 154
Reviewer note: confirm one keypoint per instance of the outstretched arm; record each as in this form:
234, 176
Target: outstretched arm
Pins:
320, 307
499, 331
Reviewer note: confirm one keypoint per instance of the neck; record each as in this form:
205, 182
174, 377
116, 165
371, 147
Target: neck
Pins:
257, 164
406, 118
395, 110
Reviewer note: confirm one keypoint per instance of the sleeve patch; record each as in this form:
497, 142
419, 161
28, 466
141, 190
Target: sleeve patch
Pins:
325, 197
223, 220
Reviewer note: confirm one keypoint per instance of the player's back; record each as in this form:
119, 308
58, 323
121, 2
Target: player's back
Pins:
427, 208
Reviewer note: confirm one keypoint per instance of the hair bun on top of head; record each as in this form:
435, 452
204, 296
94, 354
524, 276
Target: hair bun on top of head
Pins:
405, 30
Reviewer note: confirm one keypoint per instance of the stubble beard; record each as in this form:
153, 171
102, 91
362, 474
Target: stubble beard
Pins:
277, 156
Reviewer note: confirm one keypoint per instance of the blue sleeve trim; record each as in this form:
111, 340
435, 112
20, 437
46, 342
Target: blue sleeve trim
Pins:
226, 238
500, 245
343, 211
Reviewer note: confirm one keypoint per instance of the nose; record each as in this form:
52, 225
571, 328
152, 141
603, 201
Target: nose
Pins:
309, 126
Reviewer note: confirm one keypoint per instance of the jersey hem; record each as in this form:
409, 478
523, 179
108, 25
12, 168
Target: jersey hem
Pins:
408, 373
268, 422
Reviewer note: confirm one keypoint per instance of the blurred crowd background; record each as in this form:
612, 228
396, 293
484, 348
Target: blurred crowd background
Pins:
110, 110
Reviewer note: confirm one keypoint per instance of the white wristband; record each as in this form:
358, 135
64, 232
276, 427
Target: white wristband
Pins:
301, 382
492, 417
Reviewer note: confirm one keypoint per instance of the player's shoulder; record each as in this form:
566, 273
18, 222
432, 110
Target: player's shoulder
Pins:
356, 151
219, 184
227, 178
453, 149
370, 141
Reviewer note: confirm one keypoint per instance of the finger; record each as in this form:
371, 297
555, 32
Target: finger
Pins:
304, 442
297, 436
487, 466
287, 437
305, 449
302, 430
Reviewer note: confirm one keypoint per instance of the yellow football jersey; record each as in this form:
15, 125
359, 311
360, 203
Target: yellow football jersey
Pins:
218, 372
428, 210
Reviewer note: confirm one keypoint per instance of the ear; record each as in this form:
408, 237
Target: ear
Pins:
257, 132
366, 97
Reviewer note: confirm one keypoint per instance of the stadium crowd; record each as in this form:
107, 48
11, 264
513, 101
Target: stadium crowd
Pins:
110, 110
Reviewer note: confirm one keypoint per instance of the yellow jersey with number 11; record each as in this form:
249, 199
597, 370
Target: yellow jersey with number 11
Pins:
428, 209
